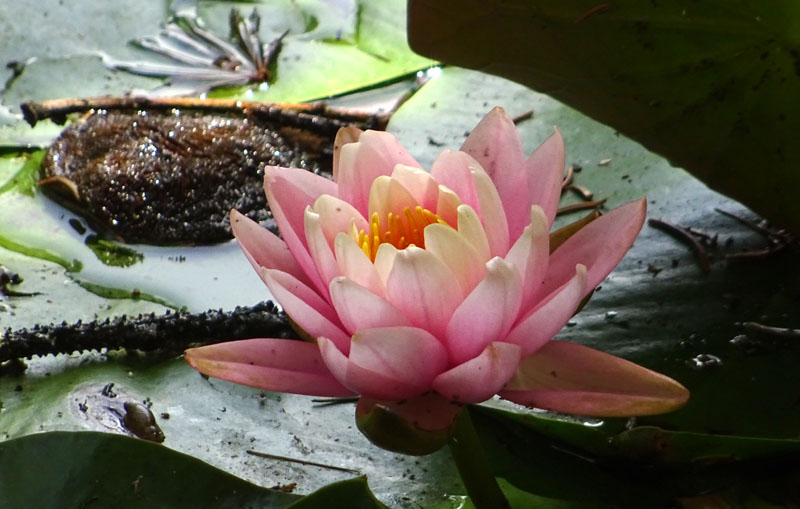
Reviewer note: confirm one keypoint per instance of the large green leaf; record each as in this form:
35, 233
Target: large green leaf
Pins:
713, 85
62, 469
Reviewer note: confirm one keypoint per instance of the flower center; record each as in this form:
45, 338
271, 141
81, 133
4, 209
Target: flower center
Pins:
399, 230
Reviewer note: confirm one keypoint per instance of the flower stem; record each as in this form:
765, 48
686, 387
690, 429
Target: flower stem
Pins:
473, 465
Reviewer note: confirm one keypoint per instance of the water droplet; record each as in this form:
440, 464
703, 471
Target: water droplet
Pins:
610, 315
572, 323
593, 423
703, 361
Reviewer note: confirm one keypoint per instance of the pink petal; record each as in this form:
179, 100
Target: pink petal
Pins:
549, 316
359, 308
479, 378
452, 169
280, 365
495, 144
572, 378
599, 246
337, 216
486, 314
308, 310
419, 183
406, 359
457, 253
320, 250
334, 359
424, 289
463, 175
492, 214
288, 201
545, 170
263, 248
530, 254
376, 153
344, 135
355, 265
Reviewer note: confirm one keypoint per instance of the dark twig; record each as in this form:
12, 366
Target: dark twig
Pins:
757, 254
778, 239
772, 331
295, 115
301, 462
170, 332
522, 117
581, 191
580, 206
746, 222
683, 235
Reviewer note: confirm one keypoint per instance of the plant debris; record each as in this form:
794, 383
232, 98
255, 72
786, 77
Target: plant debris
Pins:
202, 60
161, 171
778, 239
172, 332
682, 234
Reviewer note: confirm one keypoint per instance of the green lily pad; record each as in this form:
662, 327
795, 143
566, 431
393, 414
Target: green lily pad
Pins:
712, 86
62, 469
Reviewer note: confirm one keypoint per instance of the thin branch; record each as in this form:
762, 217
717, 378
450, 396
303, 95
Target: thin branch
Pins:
296, 115
683, 235
748, 223
301, 462
580, 206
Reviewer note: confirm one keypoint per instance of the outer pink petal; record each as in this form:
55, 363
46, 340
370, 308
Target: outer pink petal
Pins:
545, 170
482, 377
495, 144
334, 359
407, 359
359, 308
280, 365
308, 310
263, 248
288, 202
486, 314
424, 289
544, 321
530, 254
599, 246
572, 378
376, 153
354, 264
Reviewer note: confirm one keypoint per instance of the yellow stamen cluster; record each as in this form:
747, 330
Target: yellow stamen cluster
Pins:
400, 230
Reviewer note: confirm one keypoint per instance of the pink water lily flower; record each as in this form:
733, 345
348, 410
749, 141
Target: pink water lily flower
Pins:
436, 286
